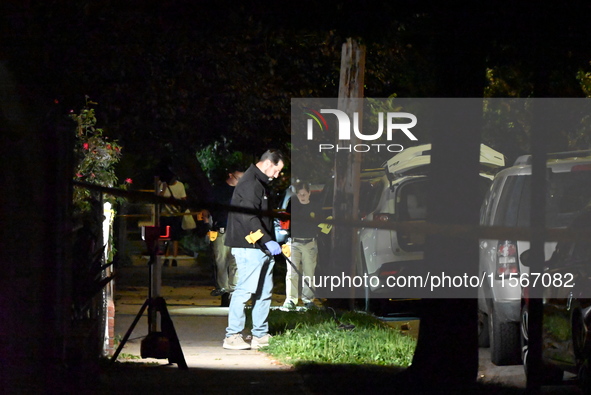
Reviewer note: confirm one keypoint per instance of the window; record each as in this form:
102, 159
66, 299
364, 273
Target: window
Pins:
510, 202
567, 194
413, 201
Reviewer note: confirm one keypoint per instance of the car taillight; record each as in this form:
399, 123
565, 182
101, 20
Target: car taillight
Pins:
390, 269
581, 168
507, 261
387, 273
382, 217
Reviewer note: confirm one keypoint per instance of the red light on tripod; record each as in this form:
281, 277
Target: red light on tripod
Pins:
166, 235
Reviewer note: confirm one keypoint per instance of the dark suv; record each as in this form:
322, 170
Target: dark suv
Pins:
566, 323
507, 204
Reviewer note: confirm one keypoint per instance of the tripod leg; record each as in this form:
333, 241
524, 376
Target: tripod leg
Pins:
128, 333
176, 353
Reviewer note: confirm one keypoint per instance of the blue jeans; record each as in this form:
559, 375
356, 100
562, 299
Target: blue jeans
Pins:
255, 277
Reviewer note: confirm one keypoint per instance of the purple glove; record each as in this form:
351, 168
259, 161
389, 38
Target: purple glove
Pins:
273, 247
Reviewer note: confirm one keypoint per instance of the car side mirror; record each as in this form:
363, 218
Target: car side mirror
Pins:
525, 258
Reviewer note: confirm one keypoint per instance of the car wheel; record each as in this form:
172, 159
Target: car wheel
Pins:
483, 333
580, 342
369, 302
366, 296
504, 341
524, 337
550, 375
584, 377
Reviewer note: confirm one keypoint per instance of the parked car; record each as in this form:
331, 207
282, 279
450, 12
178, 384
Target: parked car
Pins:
507, 204
566, 322
401, 195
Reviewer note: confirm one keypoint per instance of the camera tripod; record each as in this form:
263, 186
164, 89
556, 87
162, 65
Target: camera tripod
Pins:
162, 344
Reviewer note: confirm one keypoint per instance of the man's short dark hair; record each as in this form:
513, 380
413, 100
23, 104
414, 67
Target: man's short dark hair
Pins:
302, 185
232, 169
274, 155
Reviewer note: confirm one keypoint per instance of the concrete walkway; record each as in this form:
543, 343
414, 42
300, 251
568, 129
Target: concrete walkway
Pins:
198, 319
200, 324
200, 332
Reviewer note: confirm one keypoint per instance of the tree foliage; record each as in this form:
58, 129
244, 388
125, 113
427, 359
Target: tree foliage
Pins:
96, 156
175, 77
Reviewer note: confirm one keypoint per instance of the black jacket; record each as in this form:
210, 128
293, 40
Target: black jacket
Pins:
250, 192
222, 194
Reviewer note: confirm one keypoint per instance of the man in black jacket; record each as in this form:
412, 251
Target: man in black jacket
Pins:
254, 257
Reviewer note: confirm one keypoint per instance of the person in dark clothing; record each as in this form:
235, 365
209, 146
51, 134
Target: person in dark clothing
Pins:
254, 257
224, 261
304, 249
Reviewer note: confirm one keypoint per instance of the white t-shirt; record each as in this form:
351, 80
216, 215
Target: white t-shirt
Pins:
178, 192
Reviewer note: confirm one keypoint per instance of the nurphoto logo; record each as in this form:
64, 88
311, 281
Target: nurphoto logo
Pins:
392, 124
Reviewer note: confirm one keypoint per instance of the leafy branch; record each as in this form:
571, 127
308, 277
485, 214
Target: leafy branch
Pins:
96, 156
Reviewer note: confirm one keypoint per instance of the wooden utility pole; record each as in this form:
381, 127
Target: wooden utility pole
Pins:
347, 161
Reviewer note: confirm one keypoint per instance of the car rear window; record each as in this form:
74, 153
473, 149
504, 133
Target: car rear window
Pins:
369, 196
567, 194
510, 201
413, 201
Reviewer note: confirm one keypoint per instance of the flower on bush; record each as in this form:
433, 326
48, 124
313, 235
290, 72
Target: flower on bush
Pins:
95, 156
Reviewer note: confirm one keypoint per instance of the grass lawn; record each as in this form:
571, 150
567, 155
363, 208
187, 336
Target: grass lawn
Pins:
337, 337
